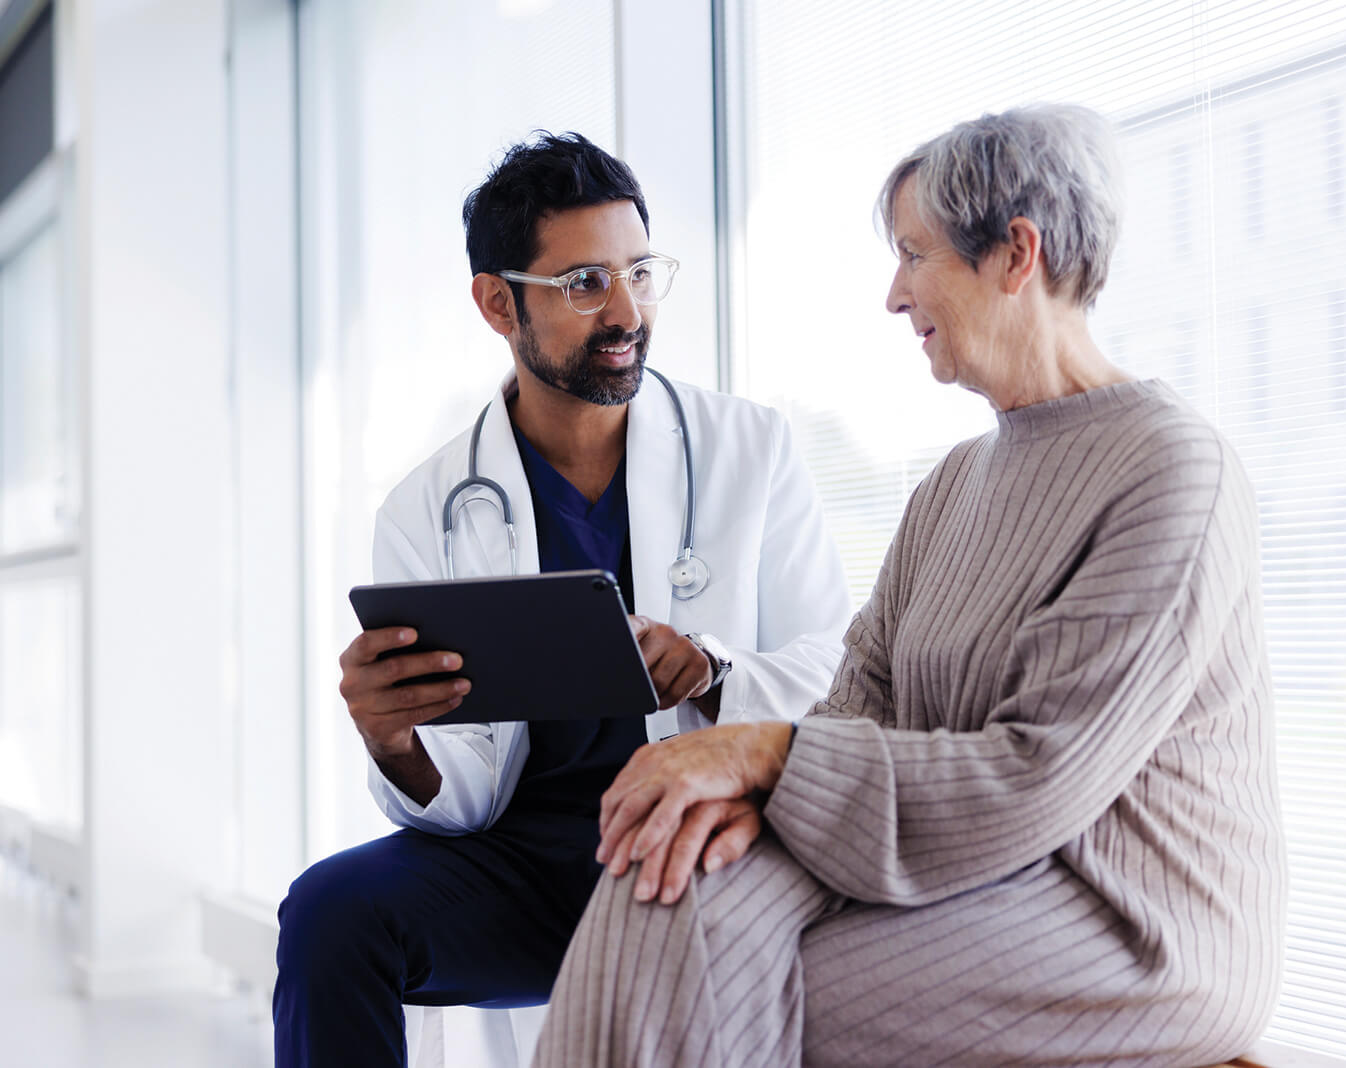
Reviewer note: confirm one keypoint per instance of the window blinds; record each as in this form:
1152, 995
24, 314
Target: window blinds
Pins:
1230, 283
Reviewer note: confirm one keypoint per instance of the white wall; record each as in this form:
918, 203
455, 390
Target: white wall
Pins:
269, 776
153, 319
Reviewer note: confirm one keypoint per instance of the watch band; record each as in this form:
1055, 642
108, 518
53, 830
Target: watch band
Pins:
716, 653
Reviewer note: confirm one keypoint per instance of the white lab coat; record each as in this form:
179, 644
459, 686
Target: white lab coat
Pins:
777, 595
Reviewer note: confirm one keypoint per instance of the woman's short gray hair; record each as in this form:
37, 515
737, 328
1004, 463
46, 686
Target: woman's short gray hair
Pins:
1055, 165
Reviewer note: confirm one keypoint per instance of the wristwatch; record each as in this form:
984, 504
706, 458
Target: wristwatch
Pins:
716, 653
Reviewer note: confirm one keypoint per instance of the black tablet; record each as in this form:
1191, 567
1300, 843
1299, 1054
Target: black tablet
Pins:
551, 646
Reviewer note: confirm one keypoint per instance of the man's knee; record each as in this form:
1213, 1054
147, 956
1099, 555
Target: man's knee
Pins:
324, 909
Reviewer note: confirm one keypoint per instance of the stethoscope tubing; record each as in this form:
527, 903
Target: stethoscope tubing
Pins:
689, 519
686, 563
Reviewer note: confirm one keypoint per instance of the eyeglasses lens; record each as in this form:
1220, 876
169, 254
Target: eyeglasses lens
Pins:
649, 281
588, 290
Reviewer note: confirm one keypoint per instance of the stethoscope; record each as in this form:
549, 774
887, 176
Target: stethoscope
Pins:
688, 574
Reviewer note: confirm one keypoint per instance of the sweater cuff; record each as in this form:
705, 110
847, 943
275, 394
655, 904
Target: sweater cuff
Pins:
828, 791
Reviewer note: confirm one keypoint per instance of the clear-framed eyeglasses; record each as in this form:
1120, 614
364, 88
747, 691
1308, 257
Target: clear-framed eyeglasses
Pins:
588, 289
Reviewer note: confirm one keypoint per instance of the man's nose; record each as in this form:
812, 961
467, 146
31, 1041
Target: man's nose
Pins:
621, 308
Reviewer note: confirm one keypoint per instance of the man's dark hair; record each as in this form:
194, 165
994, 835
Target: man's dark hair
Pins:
536, 178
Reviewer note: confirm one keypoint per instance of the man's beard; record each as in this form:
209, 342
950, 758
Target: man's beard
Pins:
579, 373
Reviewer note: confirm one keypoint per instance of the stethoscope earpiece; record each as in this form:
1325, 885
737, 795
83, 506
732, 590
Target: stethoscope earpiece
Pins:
688, 576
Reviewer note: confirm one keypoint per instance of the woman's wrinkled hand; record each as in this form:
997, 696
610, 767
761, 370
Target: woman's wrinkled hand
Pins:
689, 797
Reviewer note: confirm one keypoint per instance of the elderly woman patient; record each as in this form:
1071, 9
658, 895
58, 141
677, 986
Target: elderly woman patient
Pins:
1035, 821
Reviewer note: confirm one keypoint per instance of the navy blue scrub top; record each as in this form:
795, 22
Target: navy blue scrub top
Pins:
571, 762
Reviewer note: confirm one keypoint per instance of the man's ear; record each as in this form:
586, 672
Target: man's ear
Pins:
1024, 258
495, 301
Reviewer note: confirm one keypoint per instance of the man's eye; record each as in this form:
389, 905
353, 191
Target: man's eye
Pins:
586, 282
641, 274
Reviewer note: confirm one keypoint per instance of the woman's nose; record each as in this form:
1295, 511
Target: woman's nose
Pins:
899, 294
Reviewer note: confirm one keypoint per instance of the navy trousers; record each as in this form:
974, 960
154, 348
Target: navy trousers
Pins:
413, 918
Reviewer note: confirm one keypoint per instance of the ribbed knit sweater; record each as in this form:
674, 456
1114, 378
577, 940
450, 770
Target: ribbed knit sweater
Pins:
1060, 680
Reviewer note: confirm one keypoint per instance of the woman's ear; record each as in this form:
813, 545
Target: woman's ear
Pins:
1024, 259
495, 301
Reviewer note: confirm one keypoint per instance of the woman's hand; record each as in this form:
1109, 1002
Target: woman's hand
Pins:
672, 797
713, 832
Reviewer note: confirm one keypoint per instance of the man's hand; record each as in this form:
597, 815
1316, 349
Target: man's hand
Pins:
678, 668
385, 714
673, 798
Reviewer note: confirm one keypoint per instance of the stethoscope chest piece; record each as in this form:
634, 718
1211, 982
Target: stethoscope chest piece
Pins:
688, 575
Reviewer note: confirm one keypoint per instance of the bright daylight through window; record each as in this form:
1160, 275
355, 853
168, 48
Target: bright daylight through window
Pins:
41, 731
1230, 283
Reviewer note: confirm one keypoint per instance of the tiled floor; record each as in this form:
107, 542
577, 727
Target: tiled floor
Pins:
44, 1024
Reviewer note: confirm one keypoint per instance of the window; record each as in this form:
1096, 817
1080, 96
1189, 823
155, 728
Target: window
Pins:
41, 725
1231, 258
41, 705
1180, 192
41, 730
1257, 342
27, 91
36, 510
1335, 350
1255, 213
1334, 184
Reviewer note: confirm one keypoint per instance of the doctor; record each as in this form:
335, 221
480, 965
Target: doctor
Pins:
700, 505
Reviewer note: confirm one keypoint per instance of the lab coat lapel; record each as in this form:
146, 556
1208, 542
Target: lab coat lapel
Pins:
655, 487
484, 547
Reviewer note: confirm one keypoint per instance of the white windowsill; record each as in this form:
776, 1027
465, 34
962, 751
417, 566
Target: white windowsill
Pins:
240, 933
